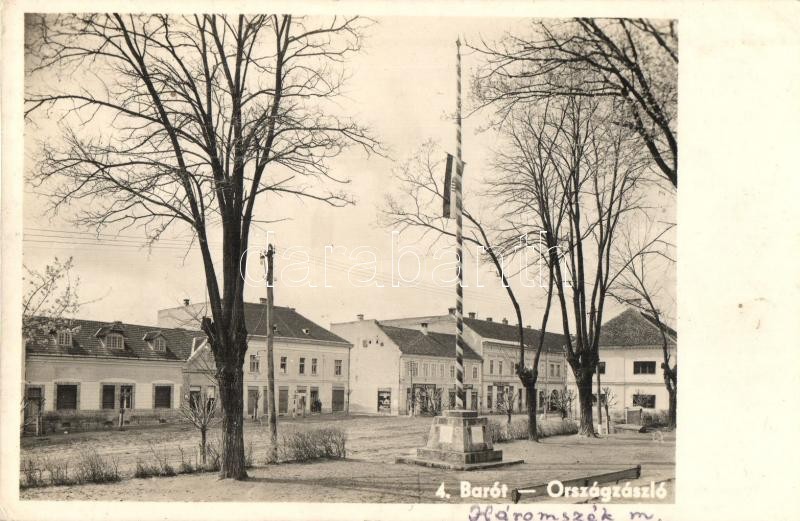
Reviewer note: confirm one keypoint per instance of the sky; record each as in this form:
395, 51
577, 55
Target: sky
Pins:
403, 86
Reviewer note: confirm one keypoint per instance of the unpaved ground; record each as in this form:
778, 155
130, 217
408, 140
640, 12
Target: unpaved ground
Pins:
374, 438
368, 475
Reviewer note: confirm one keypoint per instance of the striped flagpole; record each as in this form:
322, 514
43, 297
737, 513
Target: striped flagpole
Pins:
460, 397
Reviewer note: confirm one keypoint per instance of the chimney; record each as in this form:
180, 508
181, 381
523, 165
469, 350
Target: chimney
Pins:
471, 314
505, 321
360, 316
424, 327
451, 311
263, 300
488, 319
186, 302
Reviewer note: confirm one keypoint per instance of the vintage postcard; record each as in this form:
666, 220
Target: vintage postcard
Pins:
354, 261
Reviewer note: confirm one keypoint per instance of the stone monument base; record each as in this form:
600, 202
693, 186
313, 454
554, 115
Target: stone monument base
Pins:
458, 441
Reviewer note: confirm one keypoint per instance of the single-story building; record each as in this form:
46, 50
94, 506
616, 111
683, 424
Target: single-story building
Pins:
81, 373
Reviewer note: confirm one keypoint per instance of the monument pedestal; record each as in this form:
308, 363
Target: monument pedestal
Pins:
458, 440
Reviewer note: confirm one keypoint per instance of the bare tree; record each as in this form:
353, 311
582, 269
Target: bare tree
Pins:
568, 173
420, 177
189, 120
51, 297
609, 400
637, 288
201, 414
563, 402
634, 61
506, 403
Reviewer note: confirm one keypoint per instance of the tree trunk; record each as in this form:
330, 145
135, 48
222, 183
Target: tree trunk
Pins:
203, 445
530, 391
599, 404
673, 406
231, 389
584, 384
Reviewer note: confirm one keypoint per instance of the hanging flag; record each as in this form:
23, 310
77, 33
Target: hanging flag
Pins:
446, 210
448, 198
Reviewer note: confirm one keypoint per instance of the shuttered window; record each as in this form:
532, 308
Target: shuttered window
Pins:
162, 398
66, 397
108, 397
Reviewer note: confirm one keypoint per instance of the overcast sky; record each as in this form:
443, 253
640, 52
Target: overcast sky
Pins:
403, 86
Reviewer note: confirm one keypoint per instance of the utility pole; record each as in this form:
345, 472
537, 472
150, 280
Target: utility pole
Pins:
272, 455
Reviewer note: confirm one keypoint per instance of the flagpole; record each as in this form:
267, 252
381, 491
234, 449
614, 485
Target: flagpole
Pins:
460, 398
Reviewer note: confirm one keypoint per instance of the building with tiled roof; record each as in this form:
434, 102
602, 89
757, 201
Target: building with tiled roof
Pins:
631, 354
80, 373
311, 362
497, 343
396, 370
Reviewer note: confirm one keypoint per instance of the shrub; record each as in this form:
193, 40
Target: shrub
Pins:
164, 467
59, 473
31, 473
213, 457
145, 469
93, 468
658, 418
187, 467
325, 442
500, 432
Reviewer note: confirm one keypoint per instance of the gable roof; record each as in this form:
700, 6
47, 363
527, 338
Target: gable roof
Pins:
633, 328
415, 342
87, 341
290, 324
553, 342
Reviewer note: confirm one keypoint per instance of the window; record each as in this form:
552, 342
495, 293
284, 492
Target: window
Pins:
475, 372
283, 365
489, 398
302, 369
337, 367
115, 341
412, 368
644, 368
425, 369
441, 370
211, 396
314, 366
647, 401
66, 397
107, 399
552, 369
126, 396
160, 344
452, 371
364, 343
255, 364
194, 396
558, 369
491, 368
65, 338
601, 367
500, 367
162, 397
